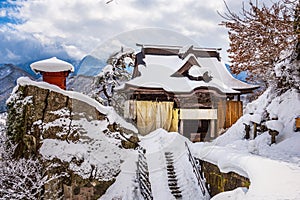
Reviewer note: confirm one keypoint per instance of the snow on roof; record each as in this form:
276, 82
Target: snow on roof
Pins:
196, 71
159, 77
51, 65
218, 69
179, 48
159, 70
222, 79
172, 62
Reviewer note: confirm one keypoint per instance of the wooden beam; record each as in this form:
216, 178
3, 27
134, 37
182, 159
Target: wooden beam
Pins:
198, 114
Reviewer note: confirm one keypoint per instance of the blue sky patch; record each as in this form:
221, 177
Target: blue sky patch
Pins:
6, 7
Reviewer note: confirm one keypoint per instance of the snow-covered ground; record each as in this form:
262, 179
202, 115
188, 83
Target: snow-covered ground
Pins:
273, 170
286, 108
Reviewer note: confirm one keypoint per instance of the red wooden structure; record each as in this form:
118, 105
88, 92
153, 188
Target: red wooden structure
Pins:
56, 78
53, 70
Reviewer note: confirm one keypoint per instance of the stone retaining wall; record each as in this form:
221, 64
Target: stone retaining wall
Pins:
219, 182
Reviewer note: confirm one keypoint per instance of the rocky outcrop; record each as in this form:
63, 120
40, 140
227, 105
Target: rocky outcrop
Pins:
73, 139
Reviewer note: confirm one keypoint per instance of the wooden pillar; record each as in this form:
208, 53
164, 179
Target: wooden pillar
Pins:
247, 130
221, 115
181, 127
273, 136
213, 128
254, 130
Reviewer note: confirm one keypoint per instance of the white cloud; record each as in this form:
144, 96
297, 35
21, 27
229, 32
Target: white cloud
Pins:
73, 51
2, 13
80, 26
11, 55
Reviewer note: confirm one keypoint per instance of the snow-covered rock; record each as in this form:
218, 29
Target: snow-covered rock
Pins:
73, 134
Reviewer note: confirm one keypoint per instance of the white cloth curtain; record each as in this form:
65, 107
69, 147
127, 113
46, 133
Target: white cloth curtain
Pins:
146, 112
130, 109
164, 115
152, 115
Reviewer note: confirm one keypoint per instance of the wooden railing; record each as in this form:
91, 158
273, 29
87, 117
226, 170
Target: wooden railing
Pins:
197, 171
142, 174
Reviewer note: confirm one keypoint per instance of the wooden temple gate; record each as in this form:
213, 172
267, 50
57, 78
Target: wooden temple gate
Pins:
194, 94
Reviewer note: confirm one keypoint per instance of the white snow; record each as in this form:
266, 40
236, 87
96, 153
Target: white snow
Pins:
159, 76
270, 179
51, 65
197, 71
128, 61
159, 70
96, 150
256, 118
238, 193
219, 71
156, 144
109, 111
273, 170
107, 69
274, 125
184, 49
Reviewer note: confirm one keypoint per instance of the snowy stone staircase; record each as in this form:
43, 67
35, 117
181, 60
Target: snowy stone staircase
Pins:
143, 175
172, 177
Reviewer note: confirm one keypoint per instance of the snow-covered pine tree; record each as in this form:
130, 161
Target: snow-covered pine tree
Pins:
114, 74
261, 36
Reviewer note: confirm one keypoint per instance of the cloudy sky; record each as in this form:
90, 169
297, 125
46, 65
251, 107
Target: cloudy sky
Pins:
30, 30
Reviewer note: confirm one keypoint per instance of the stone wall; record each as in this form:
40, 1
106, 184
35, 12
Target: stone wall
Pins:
219, 182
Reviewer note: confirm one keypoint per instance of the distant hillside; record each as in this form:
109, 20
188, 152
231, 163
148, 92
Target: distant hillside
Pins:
90, 66
241, 76
8, 75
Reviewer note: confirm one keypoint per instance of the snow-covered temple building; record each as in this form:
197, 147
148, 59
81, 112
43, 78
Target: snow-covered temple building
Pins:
183, 89
53, 70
